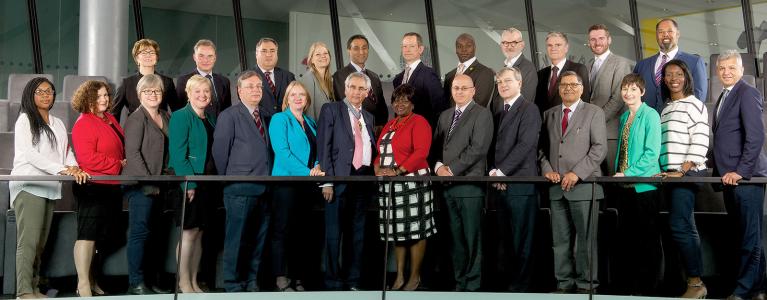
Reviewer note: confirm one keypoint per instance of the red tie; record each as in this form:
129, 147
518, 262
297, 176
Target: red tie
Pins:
257, 118
564, 120
553, 81
270, 83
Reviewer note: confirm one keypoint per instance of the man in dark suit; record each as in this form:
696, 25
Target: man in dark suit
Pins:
460, 144
276, 79
573, 147
482, 76
429, 99
546, 95
606, 71
512, 46
667, 35
241, 147
346, 147
205, 58
516, 130
737, 154
375, 102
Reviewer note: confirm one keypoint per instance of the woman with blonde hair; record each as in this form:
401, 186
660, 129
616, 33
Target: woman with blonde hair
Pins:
318, 81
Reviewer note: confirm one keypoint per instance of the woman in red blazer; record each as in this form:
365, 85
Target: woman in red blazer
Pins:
403, 146
98, 142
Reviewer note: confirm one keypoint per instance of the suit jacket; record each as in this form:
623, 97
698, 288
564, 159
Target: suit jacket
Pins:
314, 91
542, 98
222, 89
652, 96
483, 78
429, 99
465, 150
235, 132
271, 103
516, 141
529, 83
99, 148
580, 150
128, 96
375, 105
643, 146
739, 133
335, 139
606, 90
188, 142
145, 144
290, 144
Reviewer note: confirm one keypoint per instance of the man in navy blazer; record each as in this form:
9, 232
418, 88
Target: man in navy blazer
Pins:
241, 148
204, 59
737, 154
517, 126
429, 99
667, 35
277, 80
346, 147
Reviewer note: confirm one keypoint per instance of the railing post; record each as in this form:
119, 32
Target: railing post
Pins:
180, 237
592, 232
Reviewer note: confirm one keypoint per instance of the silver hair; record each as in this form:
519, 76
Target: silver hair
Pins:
514, 71
512, 30
358, 75
730, 53
557, 34
149, 81
247, 75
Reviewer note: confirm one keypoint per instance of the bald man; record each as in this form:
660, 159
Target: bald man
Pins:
482, 76
461, 140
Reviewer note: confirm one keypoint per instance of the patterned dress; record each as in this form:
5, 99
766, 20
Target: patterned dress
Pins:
410, 216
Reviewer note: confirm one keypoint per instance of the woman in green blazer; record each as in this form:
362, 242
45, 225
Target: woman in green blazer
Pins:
190, 140
638, 154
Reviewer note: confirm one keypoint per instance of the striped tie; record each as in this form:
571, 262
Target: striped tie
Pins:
456, 117
659, 71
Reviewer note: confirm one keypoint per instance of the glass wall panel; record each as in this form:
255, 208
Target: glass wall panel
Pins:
484, 20
759, 13
59, 23
575, 17
15, 42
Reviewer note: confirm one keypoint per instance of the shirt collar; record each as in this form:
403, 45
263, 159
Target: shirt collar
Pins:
467, 63
512, 101
560, 65
509, 62
571, 107
357, 67
264, 70
250, 109
671, 54
203, 74
602, 57
463, 107
414, 65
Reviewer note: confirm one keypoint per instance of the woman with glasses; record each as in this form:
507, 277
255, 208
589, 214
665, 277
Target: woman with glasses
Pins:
146, 150
41, 147
146, 53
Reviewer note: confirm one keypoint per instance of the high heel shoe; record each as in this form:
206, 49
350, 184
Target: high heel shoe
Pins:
695, 291
408, 288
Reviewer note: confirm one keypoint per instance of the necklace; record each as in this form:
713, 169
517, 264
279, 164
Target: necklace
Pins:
399, 122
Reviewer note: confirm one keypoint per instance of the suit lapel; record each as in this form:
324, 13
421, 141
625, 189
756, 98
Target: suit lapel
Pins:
344, 116
576, 119
512, 113
464, 115
729, 102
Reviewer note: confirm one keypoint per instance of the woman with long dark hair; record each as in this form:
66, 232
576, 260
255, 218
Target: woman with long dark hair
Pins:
40, 148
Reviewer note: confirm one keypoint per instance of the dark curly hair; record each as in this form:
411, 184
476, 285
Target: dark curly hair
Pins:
85, 97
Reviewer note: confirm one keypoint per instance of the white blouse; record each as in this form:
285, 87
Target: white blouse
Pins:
41, 159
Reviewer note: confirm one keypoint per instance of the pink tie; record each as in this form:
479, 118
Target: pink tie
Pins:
357, 160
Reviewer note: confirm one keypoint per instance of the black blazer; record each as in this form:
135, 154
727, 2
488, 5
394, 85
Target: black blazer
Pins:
482, 77
529, 83
272, 103
429, 99
127, 96
542, 98
222, 90
146, 144
375, 105
516, 145
335, 139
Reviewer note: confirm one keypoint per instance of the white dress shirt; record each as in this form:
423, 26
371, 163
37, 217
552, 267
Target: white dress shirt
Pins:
466, 64
41, 159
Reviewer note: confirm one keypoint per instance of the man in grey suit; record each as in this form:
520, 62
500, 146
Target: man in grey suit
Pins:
573, 147
482, 76
606, 70
461, 141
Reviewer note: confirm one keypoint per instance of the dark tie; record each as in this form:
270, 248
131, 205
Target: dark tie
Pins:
456, 117
553, 81
257, 118
371, 95
213, 89
565, 117
719, 101
270, 83
659, 71
506, 107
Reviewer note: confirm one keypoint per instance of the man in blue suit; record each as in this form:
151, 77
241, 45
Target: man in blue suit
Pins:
346, 147
276, 79
429, 99
737, 154
241, 148
667, 34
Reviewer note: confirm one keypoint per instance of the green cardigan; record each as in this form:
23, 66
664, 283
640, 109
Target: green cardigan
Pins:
188, 142
643, 146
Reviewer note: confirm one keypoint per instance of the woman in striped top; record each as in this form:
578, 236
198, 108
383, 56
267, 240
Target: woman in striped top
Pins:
684, 143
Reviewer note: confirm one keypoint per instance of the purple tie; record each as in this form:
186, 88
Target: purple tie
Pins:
659, 71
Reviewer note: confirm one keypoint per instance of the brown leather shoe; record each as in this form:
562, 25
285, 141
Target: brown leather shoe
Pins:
695, 291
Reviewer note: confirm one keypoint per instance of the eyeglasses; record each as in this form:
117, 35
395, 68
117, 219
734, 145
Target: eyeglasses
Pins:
151, 92
147, 52
47, 92
462, 88
512, 43
565, 86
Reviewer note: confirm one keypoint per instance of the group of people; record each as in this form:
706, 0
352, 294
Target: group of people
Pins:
566, 122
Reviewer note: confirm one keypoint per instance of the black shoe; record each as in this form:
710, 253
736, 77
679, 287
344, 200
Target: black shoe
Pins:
158, 290
140, 289
252, 289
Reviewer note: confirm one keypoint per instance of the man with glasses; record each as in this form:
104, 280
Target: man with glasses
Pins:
573, 146
512, 46
667, 34
460, 144
546, 95
204, 57
276, 79
429, 99
483, 77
